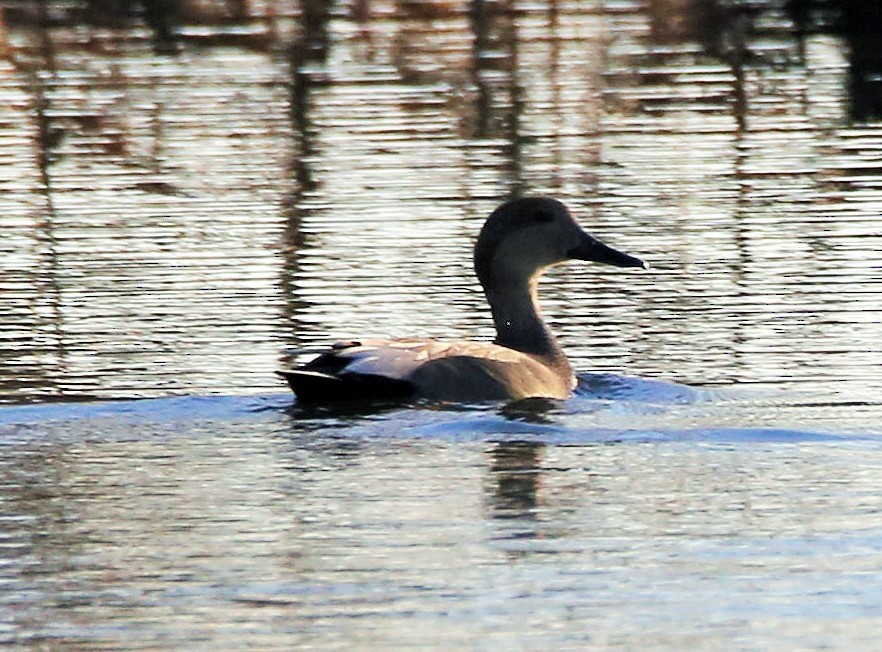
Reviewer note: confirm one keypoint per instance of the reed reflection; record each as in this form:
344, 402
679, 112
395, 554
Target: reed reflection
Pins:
307, 55
498, 102
722, 30
162, 16
860, 24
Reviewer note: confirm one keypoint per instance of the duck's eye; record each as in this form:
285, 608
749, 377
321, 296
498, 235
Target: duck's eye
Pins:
541, 217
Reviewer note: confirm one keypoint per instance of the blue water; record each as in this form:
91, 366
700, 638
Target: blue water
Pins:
640, 410
639, 514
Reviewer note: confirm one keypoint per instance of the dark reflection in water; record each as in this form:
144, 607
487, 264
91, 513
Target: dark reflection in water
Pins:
173, 223
515, 471
860, 24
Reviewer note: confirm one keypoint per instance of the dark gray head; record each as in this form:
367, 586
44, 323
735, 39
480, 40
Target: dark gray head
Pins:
524, 236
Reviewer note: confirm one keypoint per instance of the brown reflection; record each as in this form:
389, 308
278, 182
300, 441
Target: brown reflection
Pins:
40, 76
303, 80
455, 109
516, 474
5, 48
554, 73
480, 18
306, 56
721, 29
516, 465
46, 139
170, 22
311, 47
46, 276
498, 102
43, 29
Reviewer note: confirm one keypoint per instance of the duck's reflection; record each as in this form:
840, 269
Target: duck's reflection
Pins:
516, 466
515, 469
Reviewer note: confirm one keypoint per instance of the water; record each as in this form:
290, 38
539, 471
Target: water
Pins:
638, 521
714, 483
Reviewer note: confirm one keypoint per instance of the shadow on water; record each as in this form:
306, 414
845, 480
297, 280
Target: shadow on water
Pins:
610, 408
607, 409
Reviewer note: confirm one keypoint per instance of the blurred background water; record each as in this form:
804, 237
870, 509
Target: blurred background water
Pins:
189, 189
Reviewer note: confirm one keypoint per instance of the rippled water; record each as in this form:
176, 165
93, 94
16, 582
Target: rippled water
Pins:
201, 214
630, 517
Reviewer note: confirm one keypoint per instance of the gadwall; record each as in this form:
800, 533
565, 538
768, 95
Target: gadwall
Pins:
520, 240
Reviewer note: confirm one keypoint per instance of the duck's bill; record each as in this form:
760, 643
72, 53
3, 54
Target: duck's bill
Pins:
594, 250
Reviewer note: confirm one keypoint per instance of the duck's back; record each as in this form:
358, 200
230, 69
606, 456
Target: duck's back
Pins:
431, 369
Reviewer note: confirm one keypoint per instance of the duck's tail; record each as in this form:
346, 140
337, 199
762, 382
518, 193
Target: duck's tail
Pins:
318, 387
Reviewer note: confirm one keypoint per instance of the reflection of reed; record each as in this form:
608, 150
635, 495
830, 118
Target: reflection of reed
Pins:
47, 137
314, 40
157, 153
863, 31
38, 69
497, 106
859, 22
46, 276
5, 50
171, 22
510, 95
723, 32
480, 27
311, 47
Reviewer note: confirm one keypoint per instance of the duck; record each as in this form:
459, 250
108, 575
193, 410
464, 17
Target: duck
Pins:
520, 240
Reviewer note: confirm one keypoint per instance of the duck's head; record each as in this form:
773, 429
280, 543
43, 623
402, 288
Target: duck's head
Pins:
525, 236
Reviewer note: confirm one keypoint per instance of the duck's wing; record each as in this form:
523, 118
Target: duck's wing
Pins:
349, 371
455, 371
490, 375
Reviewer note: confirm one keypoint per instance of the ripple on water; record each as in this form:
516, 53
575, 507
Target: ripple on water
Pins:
207, 213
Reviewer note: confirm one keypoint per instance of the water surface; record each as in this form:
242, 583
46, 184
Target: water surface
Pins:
652, 520
174, 224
